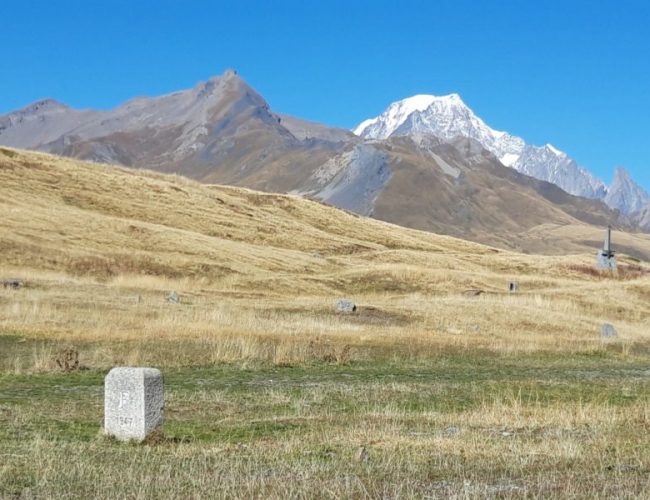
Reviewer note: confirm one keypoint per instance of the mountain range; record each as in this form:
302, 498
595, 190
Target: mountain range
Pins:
427, 162
448, 117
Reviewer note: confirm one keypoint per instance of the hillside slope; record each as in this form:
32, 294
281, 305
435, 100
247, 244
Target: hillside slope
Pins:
61, 212
66, 214
90, 237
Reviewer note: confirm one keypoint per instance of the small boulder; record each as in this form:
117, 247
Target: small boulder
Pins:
345, 306
608, 331
362, 455
13, 283
451, 431
173, 298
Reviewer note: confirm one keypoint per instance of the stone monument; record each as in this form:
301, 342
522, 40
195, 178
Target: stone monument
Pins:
133, 402
605, 259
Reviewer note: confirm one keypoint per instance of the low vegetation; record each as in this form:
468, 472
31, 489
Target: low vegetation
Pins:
425, 391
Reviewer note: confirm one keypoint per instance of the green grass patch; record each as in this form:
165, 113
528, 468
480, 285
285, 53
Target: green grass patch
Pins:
237, 430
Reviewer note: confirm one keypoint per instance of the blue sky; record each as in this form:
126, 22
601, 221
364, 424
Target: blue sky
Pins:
572, 73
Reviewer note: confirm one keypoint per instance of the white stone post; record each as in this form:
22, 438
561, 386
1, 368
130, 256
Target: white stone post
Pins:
133, 402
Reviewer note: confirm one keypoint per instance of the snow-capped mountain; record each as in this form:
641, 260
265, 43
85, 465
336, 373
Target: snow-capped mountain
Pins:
448, 117
445, 117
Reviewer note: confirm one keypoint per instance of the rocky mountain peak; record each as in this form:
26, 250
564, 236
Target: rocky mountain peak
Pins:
625, 194
42, 106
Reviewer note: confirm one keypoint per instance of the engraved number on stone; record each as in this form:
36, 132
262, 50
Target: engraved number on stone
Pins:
125, 420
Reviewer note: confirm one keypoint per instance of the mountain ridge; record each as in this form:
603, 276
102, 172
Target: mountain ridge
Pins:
222, 131
447, 116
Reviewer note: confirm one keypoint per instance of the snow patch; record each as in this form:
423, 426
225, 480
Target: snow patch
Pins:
555, 150
509, 159
363, 125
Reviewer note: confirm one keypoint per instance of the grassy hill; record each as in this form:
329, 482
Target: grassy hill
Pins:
123, 233
453, 385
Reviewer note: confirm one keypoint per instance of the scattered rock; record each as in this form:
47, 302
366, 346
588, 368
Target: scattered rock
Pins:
13, 283
362, 455
473, 292
623, 467
345, 306
173, 298
476, 328
608, 331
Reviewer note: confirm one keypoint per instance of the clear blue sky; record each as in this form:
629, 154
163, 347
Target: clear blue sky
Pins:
572, 73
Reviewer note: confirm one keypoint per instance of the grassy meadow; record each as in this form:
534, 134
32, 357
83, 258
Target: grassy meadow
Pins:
441, 385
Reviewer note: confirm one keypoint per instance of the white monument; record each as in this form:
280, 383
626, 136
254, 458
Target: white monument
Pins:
605, 259
133, 402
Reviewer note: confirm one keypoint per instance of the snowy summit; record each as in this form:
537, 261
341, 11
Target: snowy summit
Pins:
448, 117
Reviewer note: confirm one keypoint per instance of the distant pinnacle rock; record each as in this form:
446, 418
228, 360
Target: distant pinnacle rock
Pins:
625, 194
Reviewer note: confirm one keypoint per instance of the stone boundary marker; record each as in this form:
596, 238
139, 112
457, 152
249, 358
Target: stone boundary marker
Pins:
608, 331
345, 306
133, 402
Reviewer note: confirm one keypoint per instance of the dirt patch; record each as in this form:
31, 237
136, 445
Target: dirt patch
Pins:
375, 316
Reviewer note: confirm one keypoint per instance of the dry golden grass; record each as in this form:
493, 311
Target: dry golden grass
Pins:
270, 392
100, 247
